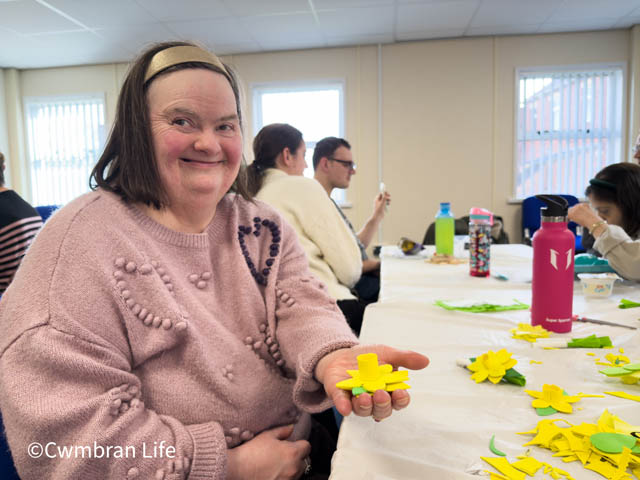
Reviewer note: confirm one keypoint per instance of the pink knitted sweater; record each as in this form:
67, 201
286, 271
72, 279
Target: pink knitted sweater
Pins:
133, 351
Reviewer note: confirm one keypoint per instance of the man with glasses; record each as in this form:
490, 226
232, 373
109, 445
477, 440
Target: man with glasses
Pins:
334, 166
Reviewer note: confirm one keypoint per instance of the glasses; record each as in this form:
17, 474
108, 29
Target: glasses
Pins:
346, 163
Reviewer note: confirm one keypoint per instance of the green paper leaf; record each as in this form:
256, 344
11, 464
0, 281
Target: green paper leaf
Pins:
484, 308
624, 303
514, 377
633, 367
590, 342
493, 448
615, 371
612, 442
357, 391
543, 412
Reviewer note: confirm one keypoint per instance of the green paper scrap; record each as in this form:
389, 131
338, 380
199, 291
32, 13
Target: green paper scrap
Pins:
357, 391
484, 307
590, 342
493, 448
511, 376
612, 442
636, 449
624, 303
544, 412
621, 371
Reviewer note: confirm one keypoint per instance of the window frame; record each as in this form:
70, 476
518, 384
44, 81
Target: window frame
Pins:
259, 89
549, 69
103, 131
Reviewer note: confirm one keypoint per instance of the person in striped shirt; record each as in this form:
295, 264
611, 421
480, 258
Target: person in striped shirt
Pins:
19, 223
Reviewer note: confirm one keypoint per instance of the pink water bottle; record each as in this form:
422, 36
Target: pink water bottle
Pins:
553, 251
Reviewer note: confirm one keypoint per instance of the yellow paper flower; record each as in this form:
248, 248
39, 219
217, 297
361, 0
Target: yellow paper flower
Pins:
552, 396
492, 366
614, 360
371, 377
529, 333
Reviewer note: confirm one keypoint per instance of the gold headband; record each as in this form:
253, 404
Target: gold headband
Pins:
181, 54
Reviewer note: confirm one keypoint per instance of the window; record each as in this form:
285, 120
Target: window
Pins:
316, 110
569, 126
65, 137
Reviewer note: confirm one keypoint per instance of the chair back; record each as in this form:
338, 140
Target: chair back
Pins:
531, 218
45, 211
7, 468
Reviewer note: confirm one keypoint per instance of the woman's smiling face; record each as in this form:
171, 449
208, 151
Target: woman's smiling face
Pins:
196, 135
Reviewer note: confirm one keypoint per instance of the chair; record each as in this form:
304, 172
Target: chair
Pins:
531, 219
45, 211
7, 469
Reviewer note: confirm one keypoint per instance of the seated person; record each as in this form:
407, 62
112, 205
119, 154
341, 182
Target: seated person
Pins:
167, 309
333, 167
613, 219
19, 223
332, 251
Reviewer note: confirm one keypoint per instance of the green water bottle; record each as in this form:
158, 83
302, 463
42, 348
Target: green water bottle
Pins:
445, 229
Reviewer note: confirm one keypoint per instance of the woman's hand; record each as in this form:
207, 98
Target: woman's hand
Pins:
332, 368
268, 456
583, 214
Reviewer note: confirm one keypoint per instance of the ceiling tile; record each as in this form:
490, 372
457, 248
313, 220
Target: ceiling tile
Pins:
428, 34
290, 44
76, 48
278, 29
357, 21
236, 48
172, 10
214, 31
31, 17
435, 16
98, 13
247, 8
509, 12
135, 40
572, 10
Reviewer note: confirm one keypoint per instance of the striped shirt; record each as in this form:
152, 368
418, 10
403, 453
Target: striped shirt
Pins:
19, 223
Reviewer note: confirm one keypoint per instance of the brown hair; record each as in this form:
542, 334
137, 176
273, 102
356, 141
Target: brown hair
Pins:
327, 147
268, 144
1, 169
127, 166
620, 184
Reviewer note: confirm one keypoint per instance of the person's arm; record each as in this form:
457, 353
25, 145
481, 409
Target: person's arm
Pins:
321, 222
310, 325
370, 228
611, 241
332, 368
370, 266
620, 250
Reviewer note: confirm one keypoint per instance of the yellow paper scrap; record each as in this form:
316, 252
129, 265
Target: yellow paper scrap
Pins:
621, 350
528, 465
527, 332
496, 476
535, 362
503, 466
626, 395
591, 354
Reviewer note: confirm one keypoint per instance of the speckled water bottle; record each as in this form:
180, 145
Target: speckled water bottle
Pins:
480, 221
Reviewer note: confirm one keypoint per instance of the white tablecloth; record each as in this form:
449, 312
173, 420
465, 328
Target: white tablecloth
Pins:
448, 425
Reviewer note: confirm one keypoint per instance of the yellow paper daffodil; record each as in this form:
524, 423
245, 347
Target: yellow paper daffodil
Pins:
492, 366
614, 360
552, 396
371, 377
529, 332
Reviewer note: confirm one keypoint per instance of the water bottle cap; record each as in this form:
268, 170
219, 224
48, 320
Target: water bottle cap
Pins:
445, 204
557, 206
481, 214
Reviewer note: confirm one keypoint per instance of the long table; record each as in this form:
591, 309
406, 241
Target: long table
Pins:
448, 425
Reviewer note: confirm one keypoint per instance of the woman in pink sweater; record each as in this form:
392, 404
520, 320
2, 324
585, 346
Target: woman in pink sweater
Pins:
165, 325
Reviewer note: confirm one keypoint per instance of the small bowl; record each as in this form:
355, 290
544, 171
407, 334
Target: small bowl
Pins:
597, 284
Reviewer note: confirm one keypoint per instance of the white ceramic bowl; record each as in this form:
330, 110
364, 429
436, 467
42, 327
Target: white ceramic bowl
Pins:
597, 284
